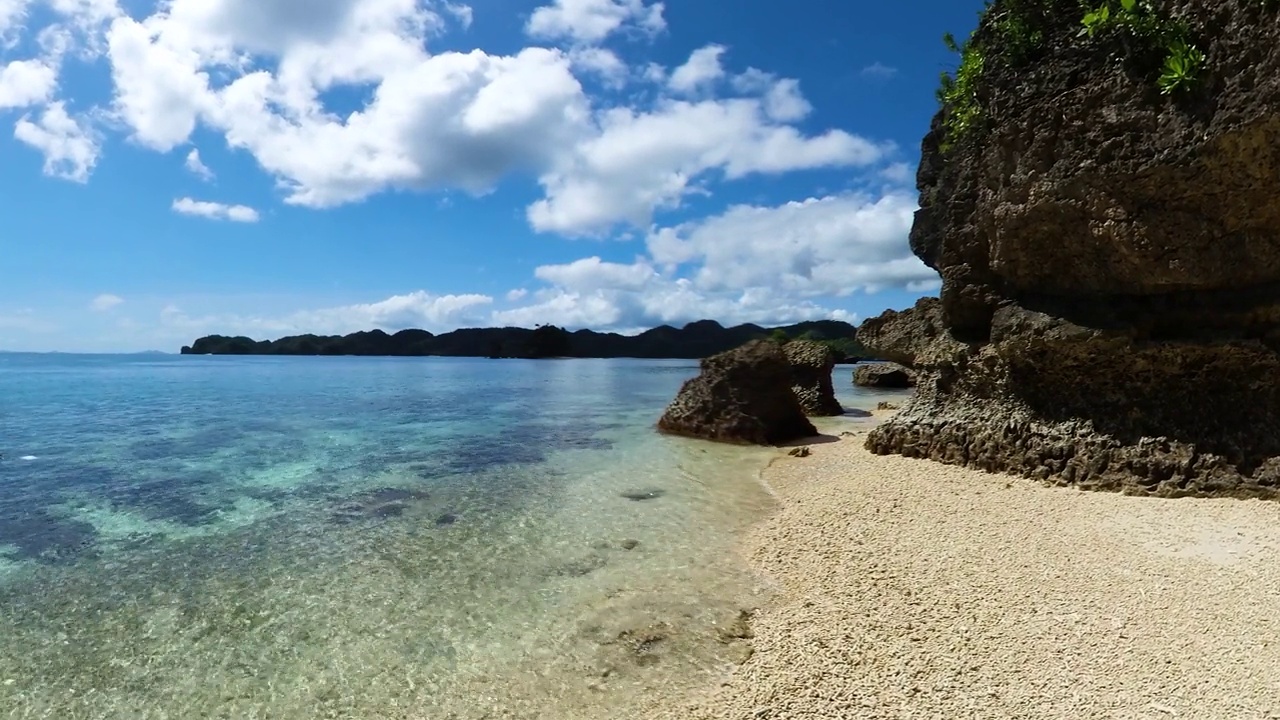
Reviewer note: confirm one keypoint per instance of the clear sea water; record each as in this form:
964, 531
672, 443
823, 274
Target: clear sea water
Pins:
256, 537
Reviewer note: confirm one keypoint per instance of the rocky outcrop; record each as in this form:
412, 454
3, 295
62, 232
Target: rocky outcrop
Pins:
886, 376
811, 366
740, 396
1110, 258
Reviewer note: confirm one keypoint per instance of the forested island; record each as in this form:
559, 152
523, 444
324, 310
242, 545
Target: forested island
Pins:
695, 340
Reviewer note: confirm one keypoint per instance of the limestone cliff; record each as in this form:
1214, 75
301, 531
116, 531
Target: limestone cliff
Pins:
1109, 245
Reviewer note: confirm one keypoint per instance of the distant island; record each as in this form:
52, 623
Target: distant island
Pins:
695, 340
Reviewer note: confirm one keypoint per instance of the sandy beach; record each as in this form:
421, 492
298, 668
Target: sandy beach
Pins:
909, 589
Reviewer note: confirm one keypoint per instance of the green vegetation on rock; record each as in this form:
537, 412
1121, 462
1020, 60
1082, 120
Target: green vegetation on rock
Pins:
1014, 33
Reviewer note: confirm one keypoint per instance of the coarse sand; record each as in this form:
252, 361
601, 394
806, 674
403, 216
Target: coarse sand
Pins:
910, 589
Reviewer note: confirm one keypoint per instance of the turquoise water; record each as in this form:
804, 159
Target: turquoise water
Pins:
361, 537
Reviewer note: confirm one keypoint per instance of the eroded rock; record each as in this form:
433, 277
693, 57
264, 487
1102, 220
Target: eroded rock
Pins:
887, 376
1109, 315
742, 396
811, 366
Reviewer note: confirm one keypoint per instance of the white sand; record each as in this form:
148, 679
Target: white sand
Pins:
909, 589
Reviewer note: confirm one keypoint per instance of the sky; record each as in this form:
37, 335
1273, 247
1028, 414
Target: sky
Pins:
175, 169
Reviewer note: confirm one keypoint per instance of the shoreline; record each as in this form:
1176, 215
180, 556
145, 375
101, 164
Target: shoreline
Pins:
905, 588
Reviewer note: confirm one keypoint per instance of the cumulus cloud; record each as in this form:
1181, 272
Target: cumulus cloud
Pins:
105, 302
898, 173
462, 13
434, 121
418, 309
215, 211
590, 21
259, 73
762, 264
643, 161
261, 76
659, 299
26, 82
699, 71
12, 13
197, 167
600, 62
829, 246
69, 146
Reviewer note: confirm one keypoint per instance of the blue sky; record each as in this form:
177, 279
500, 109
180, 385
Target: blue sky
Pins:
269, 167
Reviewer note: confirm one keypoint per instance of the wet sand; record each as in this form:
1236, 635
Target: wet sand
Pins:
909, 589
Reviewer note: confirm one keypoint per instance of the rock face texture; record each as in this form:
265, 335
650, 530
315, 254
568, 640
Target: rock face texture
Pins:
811, 366
884, 375
741, 396
1110, 258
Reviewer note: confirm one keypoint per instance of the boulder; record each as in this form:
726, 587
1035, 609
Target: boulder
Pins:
1109, 316
811, 366
884, 376
741, 396
900, 336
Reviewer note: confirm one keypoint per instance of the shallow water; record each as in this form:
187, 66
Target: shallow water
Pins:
362, 537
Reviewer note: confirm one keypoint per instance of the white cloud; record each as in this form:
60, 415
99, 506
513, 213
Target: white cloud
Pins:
784, 103
87, 12
699, 71
654, 73
418, 309
878, 71
649, 298
215, 211
590, 21
260, 75
69, 146
462, 13
898, 173
770, 264
594, 274
830, 246
197, 167
105, 302
160, 91
639, 162
601, 62
516, 295
26, 82
434, 121
12, 13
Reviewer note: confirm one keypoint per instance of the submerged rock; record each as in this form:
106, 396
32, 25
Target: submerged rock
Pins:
577, 567
642, 495
884, 376
739, 628
742, 396
380, 504
1110, 259
811, 366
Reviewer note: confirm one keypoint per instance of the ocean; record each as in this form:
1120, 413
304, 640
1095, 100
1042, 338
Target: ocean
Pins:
264, 537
